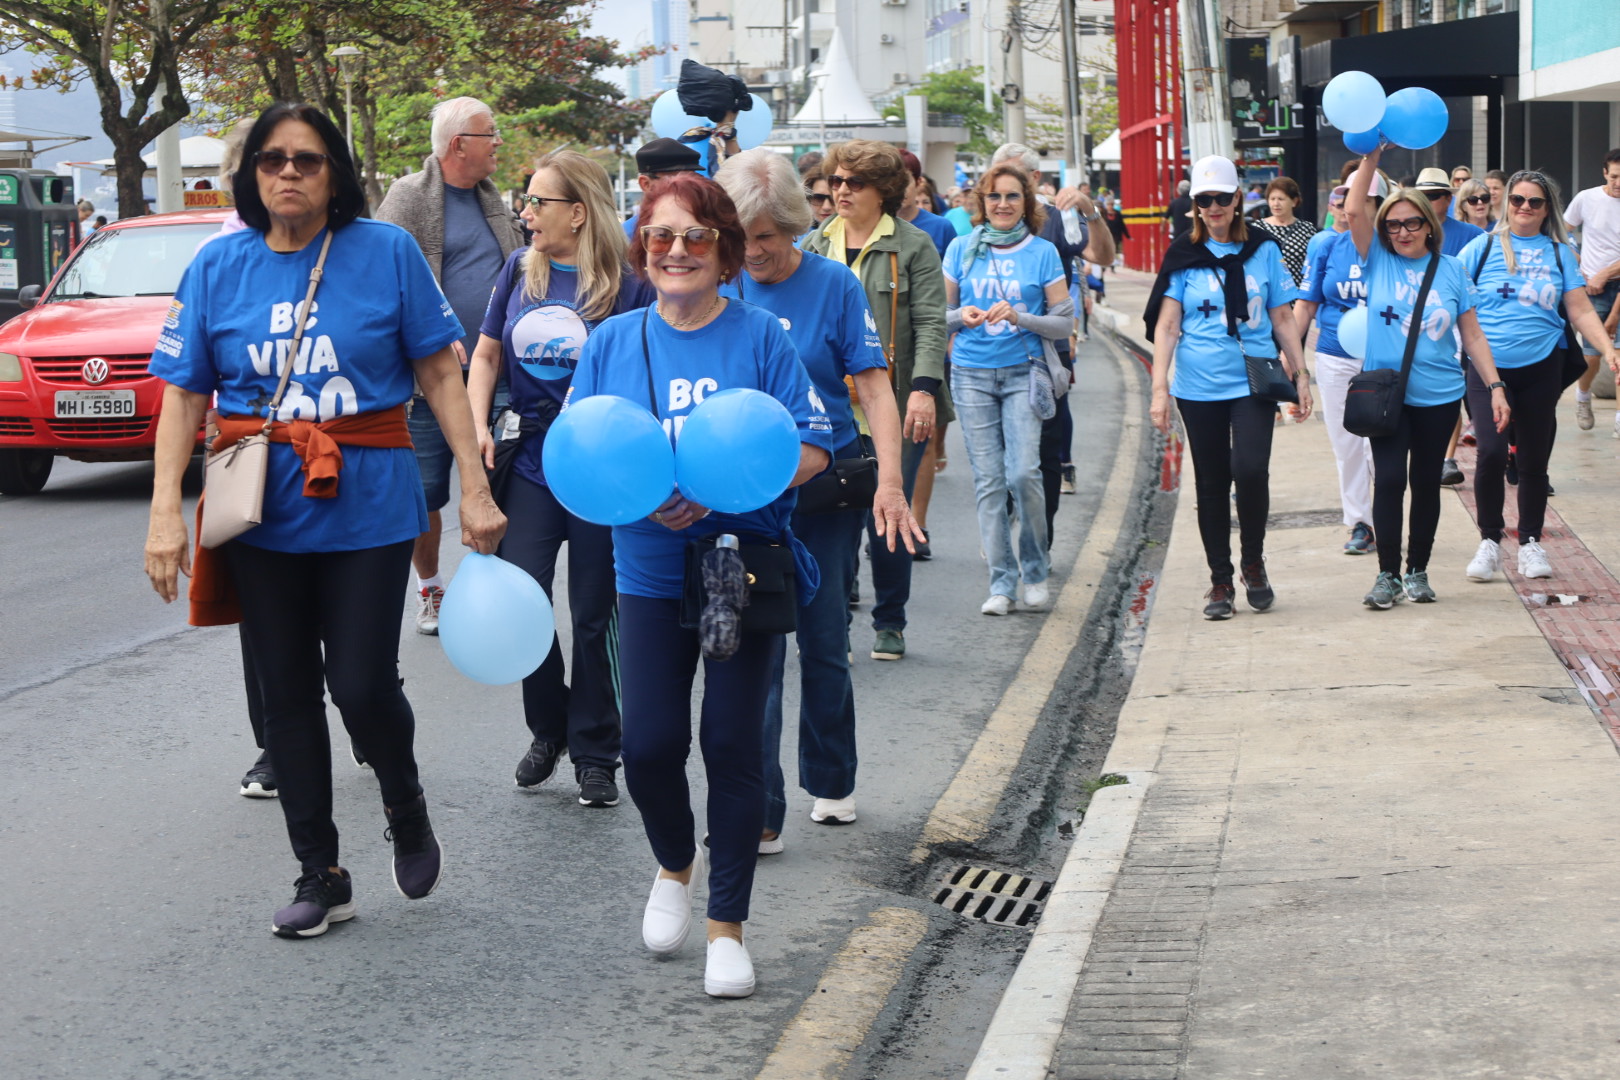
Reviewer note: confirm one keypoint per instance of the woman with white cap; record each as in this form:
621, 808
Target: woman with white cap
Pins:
1224, 293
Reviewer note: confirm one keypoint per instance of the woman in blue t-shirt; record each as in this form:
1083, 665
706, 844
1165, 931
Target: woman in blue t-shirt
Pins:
1408, 239
1523, 272
546, 302
1223, 292
1006, 298
694, 342
321, 581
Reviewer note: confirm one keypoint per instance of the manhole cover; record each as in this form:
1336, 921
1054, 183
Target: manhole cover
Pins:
993, 896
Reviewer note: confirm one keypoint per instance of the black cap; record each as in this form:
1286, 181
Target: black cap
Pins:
667, 155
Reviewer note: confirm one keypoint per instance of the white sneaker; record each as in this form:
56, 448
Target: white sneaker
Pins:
427, 611
1486, 561
1533, 561
1615, 431
729, 973
834, 811
668, 918
996, 605
1036, 596
1583, 414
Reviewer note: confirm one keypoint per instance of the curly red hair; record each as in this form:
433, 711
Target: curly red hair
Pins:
706, 201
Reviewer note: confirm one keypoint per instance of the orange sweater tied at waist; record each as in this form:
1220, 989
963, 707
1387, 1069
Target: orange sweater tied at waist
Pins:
212, 595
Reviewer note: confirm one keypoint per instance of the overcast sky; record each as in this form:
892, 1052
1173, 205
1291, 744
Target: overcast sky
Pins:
623, 20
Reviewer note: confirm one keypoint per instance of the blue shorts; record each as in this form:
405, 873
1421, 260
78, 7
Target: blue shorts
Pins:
433, 457
1602, 303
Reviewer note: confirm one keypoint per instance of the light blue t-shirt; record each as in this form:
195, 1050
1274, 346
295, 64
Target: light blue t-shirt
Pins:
960, 220
1209, 361
1393, 284
377, 309
745, 346
824, 310
1336, 281
1519, 312
1018, 274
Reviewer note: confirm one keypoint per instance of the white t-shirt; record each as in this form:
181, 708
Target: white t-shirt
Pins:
1597, 215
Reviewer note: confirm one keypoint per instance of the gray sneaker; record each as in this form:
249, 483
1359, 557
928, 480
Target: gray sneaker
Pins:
1417, 587
1583, 414
1386, 592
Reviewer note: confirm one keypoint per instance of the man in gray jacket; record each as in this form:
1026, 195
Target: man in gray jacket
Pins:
466, 231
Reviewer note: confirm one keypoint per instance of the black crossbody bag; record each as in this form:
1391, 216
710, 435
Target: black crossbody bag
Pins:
1571, 360
1372, 405
771, 602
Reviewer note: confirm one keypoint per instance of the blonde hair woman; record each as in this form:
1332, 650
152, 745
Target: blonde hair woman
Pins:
547, 301
1473, 204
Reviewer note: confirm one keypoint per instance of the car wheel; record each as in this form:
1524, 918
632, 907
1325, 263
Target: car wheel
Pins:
24, 472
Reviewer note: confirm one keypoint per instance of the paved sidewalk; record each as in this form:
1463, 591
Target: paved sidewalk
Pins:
1365, 843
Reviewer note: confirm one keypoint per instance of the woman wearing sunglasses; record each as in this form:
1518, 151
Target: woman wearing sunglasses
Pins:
691, 343
319, 585
899, 268
1523, 273
547, 301
1223, 293
820, 198
1399, 243
1473, 205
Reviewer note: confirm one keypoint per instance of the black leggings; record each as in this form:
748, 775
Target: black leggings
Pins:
1415, 453
318, 622
1533, 392
1230, 442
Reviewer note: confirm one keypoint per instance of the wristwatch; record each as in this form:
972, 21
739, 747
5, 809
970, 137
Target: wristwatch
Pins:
1497, 386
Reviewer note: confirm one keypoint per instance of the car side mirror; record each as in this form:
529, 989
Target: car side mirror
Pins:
28, 296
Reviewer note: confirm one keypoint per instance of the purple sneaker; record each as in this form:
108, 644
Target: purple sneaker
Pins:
322, 898
418, 858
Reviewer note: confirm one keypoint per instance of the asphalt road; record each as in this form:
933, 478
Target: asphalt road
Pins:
138, 886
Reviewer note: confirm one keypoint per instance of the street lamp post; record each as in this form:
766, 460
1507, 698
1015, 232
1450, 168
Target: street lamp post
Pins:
344, 55
820, 79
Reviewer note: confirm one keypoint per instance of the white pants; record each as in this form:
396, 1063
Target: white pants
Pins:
1352, 451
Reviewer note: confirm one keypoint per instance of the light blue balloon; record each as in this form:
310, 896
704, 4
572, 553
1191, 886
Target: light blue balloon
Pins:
1415, 118
495, 623
737, 452
1362, 142
670, 120
608, 460
1353, 101
1353, 332
754, 126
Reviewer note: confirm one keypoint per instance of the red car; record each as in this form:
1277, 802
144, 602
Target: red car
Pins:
73, 375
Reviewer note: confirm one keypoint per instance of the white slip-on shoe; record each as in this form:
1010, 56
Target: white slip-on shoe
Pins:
668, 918
834, 811
1486, 561
1533, 561
773, 846
729, 973
996, 605
1036, 596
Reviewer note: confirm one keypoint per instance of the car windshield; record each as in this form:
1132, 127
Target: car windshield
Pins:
141, 261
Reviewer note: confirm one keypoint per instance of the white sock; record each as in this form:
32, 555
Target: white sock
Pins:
1583, 395
434, 582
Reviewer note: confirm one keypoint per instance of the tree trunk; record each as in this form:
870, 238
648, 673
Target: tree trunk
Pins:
131, 169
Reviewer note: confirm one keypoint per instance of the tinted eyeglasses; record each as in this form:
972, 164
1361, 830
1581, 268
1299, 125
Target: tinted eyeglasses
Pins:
1396, 226
1536, 201
817, 197
1004, 196
855, 183
699, 240
307, 162
1477, 200
1207, 199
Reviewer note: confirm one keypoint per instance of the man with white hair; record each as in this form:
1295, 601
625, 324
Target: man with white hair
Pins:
465, 229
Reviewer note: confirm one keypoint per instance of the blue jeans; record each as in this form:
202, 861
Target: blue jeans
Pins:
826, 698
1003, 437
433, 456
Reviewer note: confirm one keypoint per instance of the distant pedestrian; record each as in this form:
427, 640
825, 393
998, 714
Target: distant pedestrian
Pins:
820, 199
917, 208
657, 160
1460, 176
1180, 211
1473, 205
1293, 233
1455, 234
1114, 216
1496, 184
1595, 211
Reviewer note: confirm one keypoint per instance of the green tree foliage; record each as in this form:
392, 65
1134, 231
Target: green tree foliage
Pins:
959, 93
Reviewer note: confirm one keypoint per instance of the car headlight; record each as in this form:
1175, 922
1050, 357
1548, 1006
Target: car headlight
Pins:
10, 368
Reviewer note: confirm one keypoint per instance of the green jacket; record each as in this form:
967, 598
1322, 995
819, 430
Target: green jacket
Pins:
917, 301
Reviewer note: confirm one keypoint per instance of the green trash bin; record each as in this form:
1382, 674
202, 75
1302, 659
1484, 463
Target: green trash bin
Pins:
39, 227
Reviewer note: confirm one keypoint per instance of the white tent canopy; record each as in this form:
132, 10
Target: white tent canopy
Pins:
200, 155
1107, 150
837, 98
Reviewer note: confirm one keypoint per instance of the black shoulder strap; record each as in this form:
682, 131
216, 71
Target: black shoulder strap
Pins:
1416, 327
1490, 238
1563, 312
646, 354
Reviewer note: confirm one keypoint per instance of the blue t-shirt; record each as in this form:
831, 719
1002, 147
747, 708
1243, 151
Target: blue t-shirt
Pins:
824, 310
1454, 234
745, 346
471, 261
1209, 361
541, 340
940, 231
377, 309
1018, 274
1519, 312
1393, 283
631, 223
960, 220
1336, 281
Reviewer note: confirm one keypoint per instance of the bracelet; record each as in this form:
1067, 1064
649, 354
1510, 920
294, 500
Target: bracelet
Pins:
1497, 386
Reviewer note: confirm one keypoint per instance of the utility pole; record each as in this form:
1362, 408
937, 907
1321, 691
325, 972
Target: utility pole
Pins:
1013, 92
1074, 128
1209, 113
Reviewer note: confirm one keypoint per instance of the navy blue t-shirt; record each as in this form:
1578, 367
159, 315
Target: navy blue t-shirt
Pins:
471, 260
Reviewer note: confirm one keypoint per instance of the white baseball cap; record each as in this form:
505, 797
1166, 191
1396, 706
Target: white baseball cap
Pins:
1214, 173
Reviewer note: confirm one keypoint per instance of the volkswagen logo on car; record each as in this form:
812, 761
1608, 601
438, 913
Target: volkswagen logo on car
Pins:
95, 371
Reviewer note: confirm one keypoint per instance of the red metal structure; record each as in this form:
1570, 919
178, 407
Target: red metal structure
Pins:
1148, 42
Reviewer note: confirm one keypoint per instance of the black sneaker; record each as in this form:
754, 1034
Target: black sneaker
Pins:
418, 857
922, 552
1257, 588
360, 761
538, 764
1451, 473
596, 788
1512, 473
260, 781
855, 594
320, 898
1220, 601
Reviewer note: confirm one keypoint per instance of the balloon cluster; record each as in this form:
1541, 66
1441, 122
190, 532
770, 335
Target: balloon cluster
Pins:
1354, 102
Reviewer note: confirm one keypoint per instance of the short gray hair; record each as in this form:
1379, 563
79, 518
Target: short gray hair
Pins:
450, 119
1020, 155
1184, 187
764, 185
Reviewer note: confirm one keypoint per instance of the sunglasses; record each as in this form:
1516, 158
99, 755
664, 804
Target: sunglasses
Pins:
1477, 200
1208, 199
1438, 195
1004, 196
855, 183
1396, 226
1336, 202
817, 198
307, 162
539, 201
699, 240
1536, 201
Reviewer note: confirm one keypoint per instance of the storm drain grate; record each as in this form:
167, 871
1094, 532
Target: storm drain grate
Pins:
993, 896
